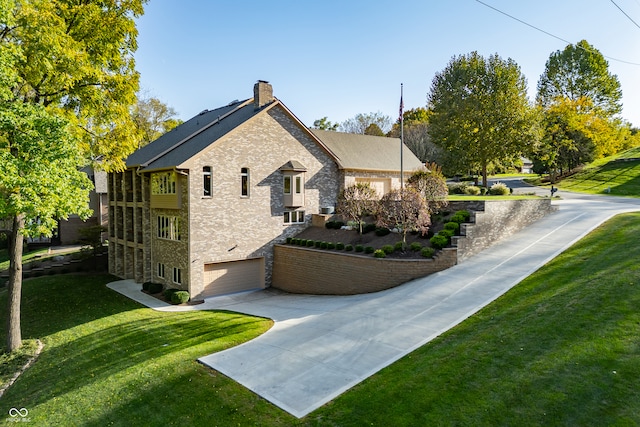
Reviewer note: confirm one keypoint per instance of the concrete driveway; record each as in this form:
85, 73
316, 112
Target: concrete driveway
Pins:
320, 346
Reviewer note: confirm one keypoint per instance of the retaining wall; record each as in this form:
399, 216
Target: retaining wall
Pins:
324, 272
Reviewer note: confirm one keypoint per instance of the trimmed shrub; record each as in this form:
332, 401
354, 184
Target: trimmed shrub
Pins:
465, 214
155, 288
179, 297
453, 226
331, 245
379, 253
399, 246
145, 286
302, 242
457, 188
359, 248
499, 189
336, 225
382, 231
447, 233
472, 190
310, 243
348, 248
323, 245
439, 241
368, 228
369, 250
427, 252
318, 244
416, 246
339, 246
388, 249
289, 239
168, 293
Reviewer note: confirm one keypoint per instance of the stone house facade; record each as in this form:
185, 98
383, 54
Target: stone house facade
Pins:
201, 208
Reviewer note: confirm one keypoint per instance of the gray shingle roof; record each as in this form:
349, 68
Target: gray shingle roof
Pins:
366, 152
191, 137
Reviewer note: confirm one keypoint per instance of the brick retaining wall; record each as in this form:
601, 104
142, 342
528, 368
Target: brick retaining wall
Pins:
495, 220
324, 272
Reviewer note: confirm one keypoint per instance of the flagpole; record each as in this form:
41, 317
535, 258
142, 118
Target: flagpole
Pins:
401, 138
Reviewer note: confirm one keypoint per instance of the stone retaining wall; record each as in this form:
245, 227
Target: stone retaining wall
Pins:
495, 220
325, 272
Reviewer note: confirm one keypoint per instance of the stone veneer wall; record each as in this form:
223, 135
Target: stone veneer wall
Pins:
495, 220
311, 271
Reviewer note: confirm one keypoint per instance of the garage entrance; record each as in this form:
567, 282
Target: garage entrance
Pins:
234, 276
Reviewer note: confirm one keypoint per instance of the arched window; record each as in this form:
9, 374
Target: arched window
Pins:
206, 180
244, 182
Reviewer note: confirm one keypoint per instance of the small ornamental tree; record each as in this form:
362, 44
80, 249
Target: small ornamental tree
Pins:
431, 184
404, 208
357, 201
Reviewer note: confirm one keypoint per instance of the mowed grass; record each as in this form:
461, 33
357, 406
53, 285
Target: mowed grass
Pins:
616, 176
561, 348
108, 361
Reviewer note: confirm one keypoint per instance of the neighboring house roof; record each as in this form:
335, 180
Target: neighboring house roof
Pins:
366, 152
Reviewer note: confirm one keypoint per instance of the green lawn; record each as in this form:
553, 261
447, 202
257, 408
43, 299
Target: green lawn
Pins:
616, 175
27, 256
561, 348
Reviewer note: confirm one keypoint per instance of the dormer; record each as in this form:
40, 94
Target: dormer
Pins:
293, 184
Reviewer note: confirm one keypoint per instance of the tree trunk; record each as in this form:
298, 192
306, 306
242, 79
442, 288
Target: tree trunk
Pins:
485, 182
14, 335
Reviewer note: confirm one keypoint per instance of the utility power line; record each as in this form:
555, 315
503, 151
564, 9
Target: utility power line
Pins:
625, 14
548, 33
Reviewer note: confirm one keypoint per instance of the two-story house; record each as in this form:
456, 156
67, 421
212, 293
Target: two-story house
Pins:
201, 207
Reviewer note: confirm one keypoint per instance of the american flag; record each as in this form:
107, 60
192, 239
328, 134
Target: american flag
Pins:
400, 119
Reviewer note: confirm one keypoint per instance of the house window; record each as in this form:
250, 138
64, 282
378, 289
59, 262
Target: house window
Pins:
163, 183
298, 184
169, 227
177, 276
294, 217
206, 181
287, 184
244, 182
160, 269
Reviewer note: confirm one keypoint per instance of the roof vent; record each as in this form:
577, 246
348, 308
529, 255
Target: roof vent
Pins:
203, 112
234, 102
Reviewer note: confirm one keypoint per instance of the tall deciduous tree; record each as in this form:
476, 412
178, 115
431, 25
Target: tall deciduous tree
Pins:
361, 122
416, 135
480, 112
404, 208
67, 86
76, 59
153, 119
357, 201
580, 71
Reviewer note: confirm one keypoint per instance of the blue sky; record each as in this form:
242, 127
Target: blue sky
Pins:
340, 58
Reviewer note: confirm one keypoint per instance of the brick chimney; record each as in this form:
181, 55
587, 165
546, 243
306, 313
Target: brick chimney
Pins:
262, 94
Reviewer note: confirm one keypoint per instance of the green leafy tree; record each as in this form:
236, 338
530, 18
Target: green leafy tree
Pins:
431, 184
67, 85
481, 113
40, 182
325, 124
361, 122
76, 59
404, 208
580, 71
357, 201
374, 130
153, 119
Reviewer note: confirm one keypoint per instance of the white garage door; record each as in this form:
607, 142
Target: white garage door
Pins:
234, 276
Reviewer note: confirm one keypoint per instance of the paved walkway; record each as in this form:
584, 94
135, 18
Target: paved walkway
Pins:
320, 346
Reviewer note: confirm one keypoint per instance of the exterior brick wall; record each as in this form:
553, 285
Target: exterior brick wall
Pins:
230, 227
495, 220
311, 271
